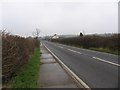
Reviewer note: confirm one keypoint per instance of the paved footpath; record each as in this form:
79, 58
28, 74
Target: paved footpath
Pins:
51, 74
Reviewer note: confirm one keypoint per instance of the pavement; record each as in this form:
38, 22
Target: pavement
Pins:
51, 74
95, 69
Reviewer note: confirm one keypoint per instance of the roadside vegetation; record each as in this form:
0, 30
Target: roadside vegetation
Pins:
28, 76
109, 44
20, 61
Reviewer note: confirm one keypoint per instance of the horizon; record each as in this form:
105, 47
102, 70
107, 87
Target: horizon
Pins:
22, 18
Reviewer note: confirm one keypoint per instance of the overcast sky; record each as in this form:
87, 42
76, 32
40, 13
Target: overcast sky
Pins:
62, 17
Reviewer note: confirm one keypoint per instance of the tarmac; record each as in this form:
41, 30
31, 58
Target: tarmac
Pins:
51, 74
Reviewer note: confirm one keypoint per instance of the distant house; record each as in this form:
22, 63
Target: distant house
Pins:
55, 36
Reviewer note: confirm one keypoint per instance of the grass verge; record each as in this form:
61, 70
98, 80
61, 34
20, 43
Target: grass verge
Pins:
105, 50
28, 76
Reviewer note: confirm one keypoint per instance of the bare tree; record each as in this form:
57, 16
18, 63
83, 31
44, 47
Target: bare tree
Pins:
36, 33
81, 34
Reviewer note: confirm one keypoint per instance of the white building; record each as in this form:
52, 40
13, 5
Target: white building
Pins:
55, 36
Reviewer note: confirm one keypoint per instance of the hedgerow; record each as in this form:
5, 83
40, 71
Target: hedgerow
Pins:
16, 51
93, 41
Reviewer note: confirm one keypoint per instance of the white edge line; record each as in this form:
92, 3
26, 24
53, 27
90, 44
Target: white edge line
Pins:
106, 61
71, 72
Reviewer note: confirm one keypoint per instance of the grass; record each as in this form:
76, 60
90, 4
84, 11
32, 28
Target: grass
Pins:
28, 76
106, 50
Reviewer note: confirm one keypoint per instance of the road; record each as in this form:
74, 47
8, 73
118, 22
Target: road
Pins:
96, 69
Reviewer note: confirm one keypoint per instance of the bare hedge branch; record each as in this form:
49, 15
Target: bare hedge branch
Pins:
15, 53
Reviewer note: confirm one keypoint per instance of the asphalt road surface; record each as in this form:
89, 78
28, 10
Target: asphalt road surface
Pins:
96, 69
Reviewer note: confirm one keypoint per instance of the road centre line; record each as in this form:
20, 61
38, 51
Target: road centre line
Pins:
74, 51
97, 58
106, 61
60, 47
89, 50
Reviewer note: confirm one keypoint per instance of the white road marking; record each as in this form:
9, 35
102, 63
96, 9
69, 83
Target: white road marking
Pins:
89, 50
94, 57
106, 61
70, 71
74, 51
60, 47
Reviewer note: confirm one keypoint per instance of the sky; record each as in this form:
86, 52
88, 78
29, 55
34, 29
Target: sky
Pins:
62, 17
119, 17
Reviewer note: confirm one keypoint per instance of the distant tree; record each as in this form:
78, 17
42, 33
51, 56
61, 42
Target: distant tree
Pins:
36, 33
81, 34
